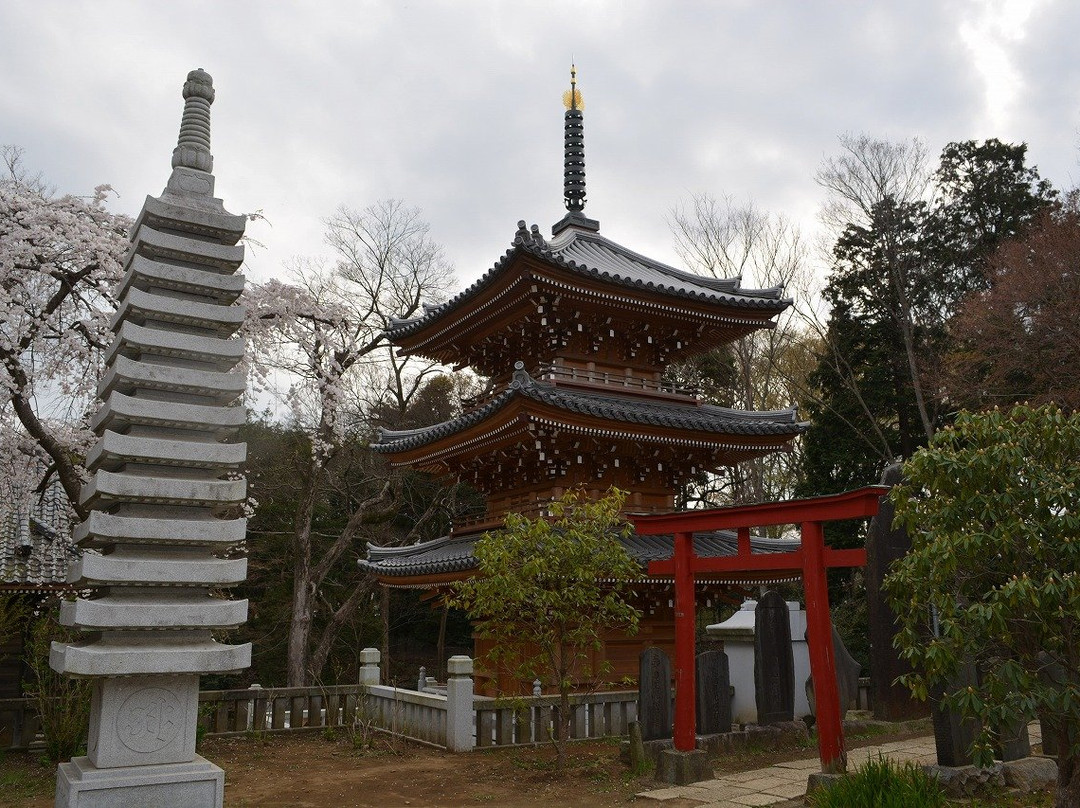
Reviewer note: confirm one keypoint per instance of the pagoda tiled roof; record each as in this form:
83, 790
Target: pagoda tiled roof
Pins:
623, 408
587, 254
35, 539
454, 554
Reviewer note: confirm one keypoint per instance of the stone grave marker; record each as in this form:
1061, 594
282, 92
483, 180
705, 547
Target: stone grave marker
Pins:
774, 668
884, 545
847, 677
654, 694
713, 687
953, 737
1014, 743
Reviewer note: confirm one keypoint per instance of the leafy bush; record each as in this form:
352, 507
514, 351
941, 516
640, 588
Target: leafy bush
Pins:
881, 783
63, 703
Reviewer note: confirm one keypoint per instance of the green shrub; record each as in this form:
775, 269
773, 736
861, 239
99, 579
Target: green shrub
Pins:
63, 703
882, 784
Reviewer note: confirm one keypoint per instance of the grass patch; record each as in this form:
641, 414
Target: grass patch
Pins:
22, 778
882, 783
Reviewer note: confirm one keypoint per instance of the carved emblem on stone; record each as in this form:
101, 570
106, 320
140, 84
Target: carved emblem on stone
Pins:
149, 720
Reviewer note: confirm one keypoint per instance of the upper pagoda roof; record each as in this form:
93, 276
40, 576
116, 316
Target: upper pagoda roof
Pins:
625, 408
583, 252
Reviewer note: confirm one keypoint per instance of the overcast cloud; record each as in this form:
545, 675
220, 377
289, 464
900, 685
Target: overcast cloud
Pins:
456, 106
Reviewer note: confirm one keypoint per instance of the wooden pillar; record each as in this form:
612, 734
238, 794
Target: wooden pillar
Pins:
685, 626
822, 655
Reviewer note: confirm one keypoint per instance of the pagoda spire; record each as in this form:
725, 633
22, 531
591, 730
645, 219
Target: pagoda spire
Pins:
574, 151
193, 147
574, 160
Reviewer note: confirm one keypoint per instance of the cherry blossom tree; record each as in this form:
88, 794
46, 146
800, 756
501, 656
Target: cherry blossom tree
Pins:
60, 257
317, 344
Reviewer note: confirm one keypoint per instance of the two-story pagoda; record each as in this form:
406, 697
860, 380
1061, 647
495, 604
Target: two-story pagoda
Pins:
575, 332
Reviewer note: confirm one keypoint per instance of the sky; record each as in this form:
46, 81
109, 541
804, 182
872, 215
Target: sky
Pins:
456, 107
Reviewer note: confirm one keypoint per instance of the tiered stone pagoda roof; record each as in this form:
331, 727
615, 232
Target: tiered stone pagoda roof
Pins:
166, 486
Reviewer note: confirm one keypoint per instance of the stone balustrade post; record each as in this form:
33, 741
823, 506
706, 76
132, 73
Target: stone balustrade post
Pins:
459, 704
369, 666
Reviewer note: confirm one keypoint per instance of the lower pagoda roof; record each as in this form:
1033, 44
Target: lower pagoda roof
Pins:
685, 416
450, 558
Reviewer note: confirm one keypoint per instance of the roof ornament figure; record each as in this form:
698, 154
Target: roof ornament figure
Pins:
574, 160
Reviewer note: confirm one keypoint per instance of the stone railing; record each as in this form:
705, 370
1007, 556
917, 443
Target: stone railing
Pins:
532, 720
278, 709
456, 720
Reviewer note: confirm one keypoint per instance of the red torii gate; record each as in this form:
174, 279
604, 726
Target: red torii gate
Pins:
810, 561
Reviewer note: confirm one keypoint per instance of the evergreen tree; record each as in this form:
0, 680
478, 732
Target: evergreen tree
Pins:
900, 271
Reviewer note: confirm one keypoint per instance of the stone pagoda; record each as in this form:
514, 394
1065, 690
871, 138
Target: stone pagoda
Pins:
575, 333
164, 496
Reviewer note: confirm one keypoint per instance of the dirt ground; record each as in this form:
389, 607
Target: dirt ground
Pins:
311, 771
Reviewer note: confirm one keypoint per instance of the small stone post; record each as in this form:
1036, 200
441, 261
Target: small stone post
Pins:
459, 704
369, 666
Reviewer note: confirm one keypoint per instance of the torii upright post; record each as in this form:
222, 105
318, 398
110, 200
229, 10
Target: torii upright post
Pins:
810, 562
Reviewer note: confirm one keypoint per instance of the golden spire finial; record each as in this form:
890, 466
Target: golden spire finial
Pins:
572, 98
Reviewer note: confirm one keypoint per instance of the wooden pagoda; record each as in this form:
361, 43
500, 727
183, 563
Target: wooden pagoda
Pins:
575, 333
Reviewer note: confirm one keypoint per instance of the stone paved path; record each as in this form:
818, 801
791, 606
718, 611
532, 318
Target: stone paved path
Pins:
787, 781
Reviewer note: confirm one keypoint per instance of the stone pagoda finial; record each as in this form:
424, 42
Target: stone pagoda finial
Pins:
574, 161
574, 152
193, 147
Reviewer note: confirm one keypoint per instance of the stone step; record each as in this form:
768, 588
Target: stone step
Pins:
136, 342
151, 568
103, 529
149, 275
151, 653
174, 247
127, 375
140, 307
160, 214
113, 450
154, 610
121, 412
107, 488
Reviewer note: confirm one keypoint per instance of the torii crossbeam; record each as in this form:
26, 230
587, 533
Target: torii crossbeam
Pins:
810, 561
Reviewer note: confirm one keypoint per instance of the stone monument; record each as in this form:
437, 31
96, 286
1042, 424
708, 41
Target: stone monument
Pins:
847, 677
713, 689
654, 694
953, 735
884, 545
737, 635
163, 496
774, 669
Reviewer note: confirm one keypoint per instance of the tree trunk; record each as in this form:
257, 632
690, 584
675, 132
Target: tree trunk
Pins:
1067, 794
440, 647
299, 624
326, 641
303, 586
384, 675
562, 730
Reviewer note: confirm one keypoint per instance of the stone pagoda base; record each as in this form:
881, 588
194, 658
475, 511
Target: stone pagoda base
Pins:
199, 784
